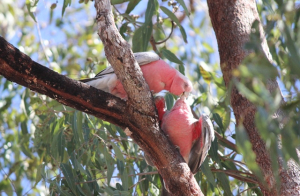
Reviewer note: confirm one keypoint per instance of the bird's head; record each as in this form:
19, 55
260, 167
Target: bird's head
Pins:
180, 84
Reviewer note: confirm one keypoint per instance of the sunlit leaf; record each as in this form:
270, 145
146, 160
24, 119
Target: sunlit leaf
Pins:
205, 74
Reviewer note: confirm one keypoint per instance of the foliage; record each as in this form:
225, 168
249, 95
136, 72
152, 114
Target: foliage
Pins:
45, 144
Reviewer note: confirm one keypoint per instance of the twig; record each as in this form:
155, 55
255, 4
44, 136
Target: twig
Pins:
137, 183
41, 41
248, 189
139, 174
12, 184
163, 41
235, 174
238, 163
229, 143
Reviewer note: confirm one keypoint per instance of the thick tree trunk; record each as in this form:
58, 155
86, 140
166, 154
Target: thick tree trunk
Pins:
232, 21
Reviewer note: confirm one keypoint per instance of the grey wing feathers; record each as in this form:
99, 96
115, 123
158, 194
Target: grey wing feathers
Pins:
145, 57
202, 145
141, 57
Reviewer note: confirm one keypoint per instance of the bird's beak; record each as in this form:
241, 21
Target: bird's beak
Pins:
184, 94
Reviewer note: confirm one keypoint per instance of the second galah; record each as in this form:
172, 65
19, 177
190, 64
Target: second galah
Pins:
157, 73
192, 136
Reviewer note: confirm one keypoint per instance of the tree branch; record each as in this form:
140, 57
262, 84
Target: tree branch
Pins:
141, 114
19, 68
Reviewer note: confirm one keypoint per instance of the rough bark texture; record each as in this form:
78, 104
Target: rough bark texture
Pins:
232, 21
19, 68
140, 108
138, 114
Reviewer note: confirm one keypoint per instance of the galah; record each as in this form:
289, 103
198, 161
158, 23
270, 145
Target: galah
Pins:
192, 136
157, 73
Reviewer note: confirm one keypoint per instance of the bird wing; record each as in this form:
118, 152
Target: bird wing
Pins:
142, 58
201, 145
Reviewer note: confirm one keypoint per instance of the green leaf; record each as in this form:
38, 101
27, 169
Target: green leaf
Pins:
218, 120
113, 2
205, 74
223, 179
39, 171
63, 192
181, 2
183, 33
58, 145
245, 148
181, 69
66, 3
171, 57
31, 7
118, 152
141, 38
294, 57
24, 127
170, 14
131, 5
213, 151
248, 93
68, 174
150, 11
61, 145
169, 101
207, 172
207, 47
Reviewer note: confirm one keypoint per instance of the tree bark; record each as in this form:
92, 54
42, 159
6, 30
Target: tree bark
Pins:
232, 21
138, 115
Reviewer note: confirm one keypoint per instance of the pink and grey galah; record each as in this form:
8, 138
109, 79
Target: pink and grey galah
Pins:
157, 73
192, 136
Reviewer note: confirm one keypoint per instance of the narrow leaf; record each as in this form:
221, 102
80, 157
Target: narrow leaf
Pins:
67, 171
218, 120
150, 11
131, 5
181, 2
183, 33
181, 69
224, 183
113, 2
171, 57
207, 172
169, 101
66, 3
31, 7
118, 152
170, 14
